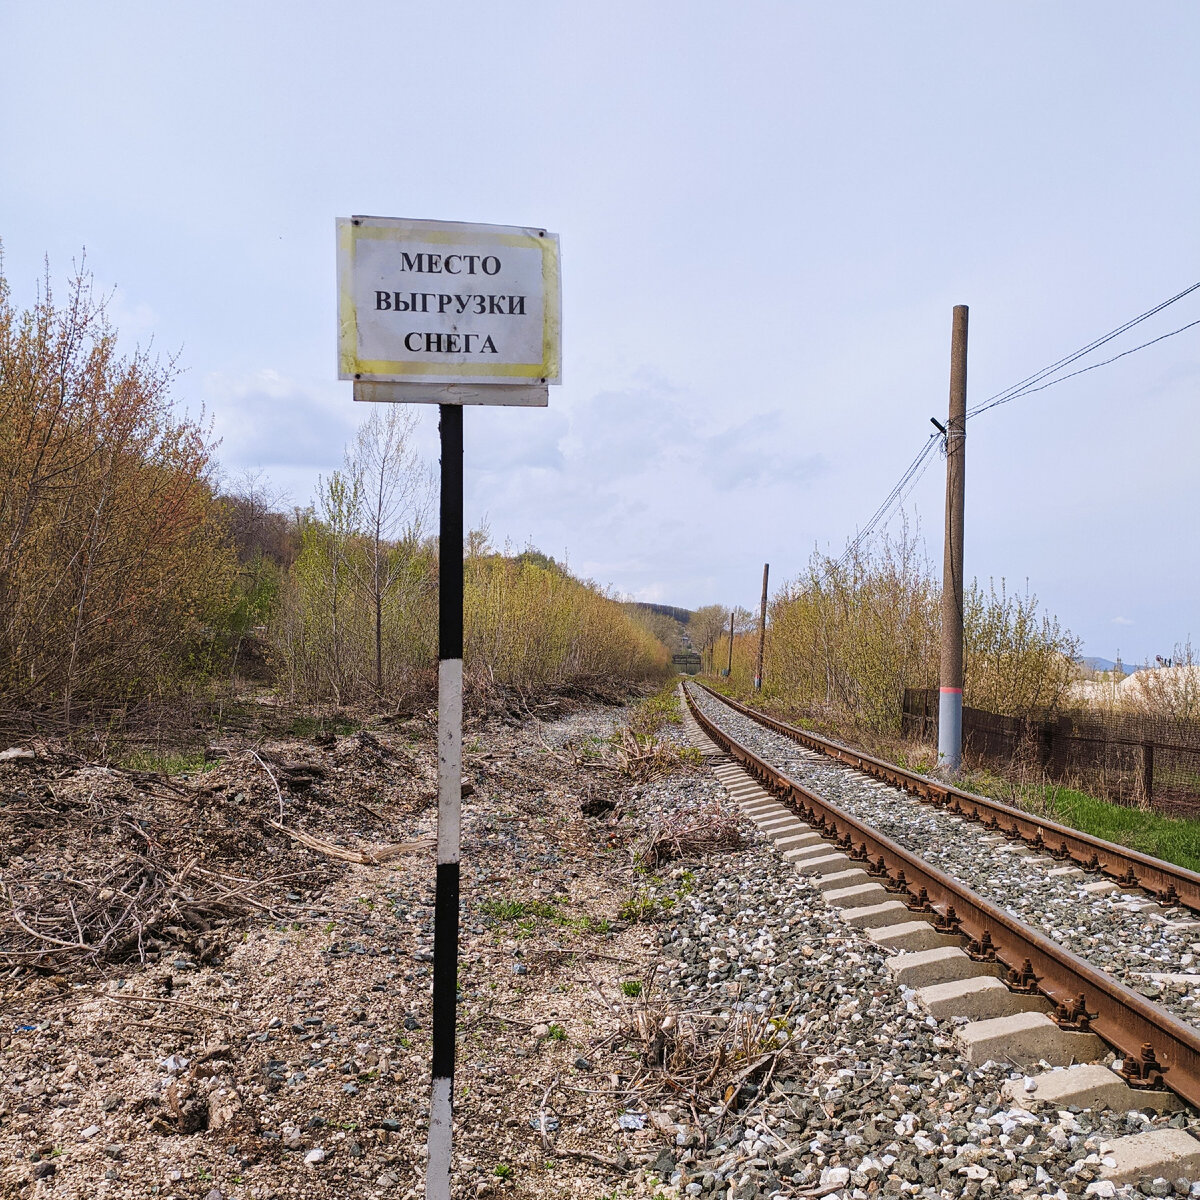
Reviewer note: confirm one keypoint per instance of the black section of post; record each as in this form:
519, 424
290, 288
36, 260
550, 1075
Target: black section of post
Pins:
450, 646
445, 969
450, 535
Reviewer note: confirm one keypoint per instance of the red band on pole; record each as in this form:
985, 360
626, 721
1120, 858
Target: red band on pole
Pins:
951, 691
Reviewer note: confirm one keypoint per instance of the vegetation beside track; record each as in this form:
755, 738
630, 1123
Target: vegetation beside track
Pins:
848, 635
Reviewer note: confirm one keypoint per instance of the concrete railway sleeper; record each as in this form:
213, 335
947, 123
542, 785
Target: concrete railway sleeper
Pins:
1018, 997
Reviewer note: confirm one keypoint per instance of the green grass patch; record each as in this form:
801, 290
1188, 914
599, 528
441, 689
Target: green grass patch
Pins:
642, 906
167, 762
306, 726
519, 910
651, 714
525, 914
1175, 839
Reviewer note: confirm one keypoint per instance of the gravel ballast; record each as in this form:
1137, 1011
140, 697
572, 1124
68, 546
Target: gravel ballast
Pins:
1121, 933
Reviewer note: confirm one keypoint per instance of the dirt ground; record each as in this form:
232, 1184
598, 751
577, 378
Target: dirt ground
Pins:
194, 1003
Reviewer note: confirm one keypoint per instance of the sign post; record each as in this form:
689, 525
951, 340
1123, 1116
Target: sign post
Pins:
446, 313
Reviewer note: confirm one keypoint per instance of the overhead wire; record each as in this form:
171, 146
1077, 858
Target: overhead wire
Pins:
1037, 382
1024, 386
895, 497
1082, 370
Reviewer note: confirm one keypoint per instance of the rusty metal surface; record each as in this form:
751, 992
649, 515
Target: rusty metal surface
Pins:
1083, 995
1163, 880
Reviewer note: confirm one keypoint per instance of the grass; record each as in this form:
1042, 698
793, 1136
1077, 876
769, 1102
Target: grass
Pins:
651, 714
167, 762
306, 726
631, 987
642, 906
526, 913
1175, 839
519, 910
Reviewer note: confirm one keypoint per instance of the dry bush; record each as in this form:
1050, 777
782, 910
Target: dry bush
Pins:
701, 1057
537, 627
689, 835
1017, 661
848, 636
530, 626
114, 562
1170, 692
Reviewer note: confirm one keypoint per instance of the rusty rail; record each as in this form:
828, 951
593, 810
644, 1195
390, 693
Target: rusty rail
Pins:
1132, 869
1149, 1038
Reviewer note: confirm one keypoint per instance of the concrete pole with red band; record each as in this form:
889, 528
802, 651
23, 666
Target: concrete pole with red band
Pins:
950, 700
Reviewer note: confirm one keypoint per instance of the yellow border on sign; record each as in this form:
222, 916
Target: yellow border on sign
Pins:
350, 366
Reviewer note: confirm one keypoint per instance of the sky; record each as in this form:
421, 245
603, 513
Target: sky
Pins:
767, 212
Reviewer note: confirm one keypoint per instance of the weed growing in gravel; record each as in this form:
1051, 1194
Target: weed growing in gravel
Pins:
557, 1034
631, 987
644, 905
651, 714
516, 910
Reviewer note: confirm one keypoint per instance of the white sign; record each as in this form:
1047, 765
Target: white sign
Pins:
447, 312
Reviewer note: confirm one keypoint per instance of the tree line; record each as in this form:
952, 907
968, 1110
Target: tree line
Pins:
127, 573
849, 634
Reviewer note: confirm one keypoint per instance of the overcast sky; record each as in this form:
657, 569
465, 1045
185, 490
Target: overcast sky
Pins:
766, 213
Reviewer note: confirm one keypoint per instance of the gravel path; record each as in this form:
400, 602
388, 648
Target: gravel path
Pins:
1119, 932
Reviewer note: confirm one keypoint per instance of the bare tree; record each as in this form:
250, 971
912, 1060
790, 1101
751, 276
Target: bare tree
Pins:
394, 491
706, 627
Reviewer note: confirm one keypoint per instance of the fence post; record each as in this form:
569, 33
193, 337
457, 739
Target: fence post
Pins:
1148, 770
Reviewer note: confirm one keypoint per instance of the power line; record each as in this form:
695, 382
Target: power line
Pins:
894, 498
1084, 370
1036, 382
1024, 387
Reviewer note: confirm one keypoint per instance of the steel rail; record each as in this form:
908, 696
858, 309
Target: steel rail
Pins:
1132, 869
1150, 1040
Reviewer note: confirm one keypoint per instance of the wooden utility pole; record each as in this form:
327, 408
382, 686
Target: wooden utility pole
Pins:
729, 669
762, 631
950, 701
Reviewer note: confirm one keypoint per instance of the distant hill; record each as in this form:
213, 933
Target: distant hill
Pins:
667, 623
1106, 664
682, 615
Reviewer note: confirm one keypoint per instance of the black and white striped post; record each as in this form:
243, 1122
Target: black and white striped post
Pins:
449, 741
490, 335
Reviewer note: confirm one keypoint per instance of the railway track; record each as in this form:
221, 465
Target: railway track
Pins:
1167, 883
1017, 994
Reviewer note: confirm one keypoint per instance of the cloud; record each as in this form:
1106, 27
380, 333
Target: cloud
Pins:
264, 419
757, 451
1122, 621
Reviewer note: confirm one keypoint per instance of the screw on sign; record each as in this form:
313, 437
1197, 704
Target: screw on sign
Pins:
447, 313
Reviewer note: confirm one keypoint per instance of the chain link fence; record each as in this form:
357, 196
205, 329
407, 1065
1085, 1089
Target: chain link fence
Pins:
1132, 759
